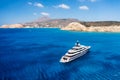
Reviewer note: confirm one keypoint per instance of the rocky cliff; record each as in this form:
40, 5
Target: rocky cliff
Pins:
76, 26
12, 26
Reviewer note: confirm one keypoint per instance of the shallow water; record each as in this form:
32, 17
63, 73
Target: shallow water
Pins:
34, 54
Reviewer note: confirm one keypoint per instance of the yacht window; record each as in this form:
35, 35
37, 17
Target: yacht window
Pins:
65, 58
76, 49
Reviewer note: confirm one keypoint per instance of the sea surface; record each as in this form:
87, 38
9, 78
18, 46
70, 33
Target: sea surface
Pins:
34, 54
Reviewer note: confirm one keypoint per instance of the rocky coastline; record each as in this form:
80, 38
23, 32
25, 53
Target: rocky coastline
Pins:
75, 26
71, 24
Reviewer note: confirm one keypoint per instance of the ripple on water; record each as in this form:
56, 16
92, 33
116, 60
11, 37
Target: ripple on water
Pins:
91, 68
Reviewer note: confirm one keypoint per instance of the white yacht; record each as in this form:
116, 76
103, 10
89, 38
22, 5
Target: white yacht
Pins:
76, 51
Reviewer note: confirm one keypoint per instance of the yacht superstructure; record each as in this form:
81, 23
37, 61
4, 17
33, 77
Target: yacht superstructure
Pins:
76, 51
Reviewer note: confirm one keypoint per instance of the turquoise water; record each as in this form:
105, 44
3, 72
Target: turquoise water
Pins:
34, 54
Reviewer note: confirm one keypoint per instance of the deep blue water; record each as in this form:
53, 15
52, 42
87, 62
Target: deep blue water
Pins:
34, 54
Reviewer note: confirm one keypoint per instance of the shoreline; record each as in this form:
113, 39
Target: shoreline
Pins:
63, 30
73, 26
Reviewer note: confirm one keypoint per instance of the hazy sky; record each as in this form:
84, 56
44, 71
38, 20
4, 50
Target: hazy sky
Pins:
16, 11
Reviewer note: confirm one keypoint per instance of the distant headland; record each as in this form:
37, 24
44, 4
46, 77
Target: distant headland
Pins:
70, 24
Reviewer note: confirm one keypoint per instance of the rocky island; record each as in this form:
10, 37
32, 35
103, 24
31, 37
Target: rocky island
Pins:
70, 24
